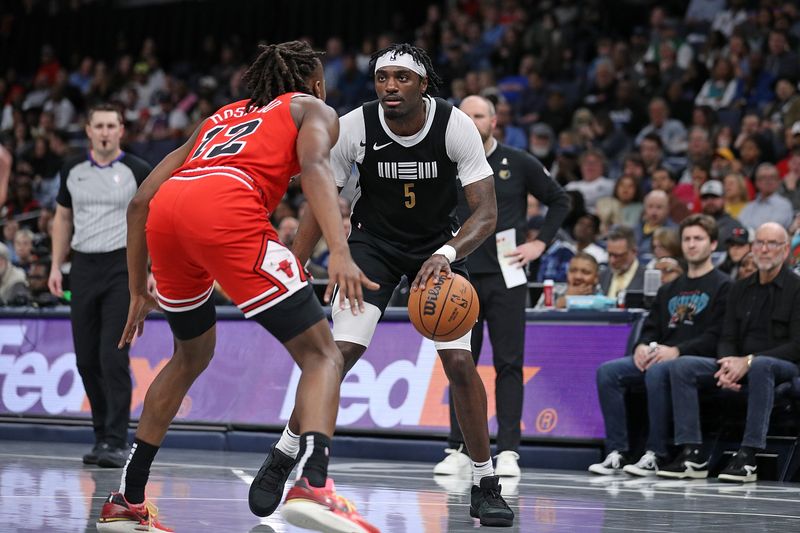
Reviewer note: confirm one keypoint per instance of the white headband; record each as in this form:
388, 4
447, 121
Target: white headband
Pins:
400, 59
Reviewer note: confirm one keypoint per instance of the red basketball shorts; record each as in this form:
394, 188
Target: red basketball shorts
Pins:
209, 225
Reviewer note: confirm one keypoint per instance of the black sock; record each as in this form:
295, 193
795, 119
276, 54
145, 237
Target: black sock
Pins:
137, 470
314, 453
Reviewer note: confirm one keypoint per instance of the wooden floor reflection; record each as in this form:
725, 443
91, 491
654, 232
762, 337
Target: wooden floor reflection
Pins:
45, 487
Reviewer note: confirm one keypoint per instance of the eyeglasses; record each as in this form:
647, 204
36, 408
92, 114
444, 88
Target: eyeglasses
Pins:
769, 245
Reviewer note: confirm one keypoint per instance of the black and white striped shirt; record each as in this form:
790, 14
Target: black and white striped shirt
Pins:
98, 196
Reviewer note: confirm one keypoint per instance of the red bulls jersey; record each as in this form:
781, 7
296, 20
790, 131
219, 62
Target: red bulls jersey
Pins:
258, 146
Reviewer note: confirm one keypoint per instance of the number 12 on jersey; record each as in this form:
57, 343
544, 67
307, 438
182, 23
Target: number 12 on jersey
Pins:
231, 146
410, 195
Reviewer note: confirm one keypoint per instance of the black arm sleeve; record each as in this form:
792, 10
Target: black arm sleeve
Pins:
545, 189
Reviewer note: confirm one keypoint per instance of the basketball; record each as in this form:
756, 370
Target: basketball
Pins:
445, 309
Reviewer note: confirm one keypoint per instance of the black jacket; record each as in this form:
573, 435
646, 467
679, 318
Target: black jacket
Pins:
784, 324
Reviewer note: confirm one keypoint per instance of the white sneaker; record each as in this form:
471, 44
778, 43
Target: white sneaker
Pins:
456, 462
507, 464
610, 465
645, 467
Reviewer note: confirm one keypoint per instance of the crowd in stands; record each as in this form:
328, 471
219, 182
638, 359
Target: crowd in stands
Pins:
687, 112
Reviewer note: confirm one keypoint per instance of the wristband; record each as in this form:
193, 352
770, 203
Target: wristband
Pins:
448, 251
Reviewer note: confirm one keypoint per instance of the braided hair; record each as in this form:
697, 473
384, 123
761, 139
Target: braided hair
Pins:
419, 55
278, 69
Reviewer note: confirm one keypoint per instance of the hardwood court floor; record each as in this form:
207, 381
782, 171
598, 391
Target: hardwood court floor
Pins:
45, 487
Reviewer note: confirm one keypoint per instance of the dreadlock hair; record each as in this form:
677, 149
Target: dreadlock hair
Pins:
419, 55
278, 69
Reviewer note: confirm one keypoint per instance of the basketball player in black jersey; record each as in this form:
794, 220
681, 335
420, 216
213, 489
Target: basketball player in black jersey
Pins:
410, 150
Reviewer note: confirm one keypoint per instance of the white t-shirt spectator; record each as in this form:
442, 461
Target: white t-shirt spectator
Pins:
592, 191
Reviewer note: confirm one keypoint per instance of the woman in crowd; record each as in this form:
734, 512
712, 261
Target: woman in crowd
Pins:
665, 244
670, 269
625, 207
747, 266
582, 280
735, 194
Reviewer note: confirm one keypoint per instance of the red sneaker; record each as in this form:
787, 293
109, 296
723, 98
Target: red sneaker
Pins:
119, 516
320, 508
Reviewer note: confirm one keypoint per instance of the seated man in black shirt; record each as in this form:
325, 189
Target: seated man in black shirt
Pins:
760, 345
685, 319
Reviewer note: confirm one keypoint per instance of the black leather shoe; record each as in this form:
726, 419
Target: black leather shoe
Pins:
112, 457
92, 457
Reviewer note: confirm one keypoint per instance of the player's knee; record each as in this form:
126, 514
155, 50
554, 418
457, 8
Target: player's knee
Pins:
192, 362
459, 367
322, 357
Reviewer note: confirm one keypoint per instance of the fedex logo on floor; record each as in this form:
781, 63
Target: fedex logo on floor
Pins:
404, 393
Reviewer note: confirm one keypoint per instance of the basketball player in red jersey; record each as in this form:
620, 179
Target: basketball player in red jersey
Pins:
203, 213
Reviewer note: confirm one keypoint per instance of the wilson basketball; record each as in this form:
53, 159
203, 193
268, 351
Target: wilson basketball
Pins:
445, 309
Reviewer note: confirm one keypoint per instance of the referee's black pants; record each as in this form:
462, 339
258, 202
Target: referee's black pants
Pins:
100, 299
504, 312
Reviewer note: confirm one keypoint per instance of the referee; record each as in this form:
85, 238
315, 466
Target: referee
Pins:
90, 219
516, 173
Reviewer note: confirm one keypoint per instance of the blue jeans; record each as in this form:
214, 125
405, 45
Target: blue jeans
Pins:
691, 373
617, 376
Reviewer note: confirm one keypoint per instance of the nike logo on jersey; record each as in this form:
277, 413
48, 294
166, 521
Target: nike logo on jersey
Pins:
381, 147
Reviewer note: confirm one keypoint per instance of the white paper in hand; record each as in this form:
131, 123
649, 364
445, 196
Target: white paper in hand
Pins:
507, 242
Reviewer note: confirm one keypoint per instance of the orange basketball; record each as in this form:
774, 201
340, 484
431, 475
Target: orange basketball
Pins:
445, 309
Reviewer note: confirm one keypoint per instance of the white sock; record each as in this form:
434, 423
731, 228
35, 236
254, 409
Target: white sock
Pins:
289, 443
481, 470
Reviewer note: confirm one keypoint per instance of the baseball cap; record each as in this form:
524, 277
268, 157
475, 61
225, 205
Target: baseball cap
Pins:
738, 236
711, 188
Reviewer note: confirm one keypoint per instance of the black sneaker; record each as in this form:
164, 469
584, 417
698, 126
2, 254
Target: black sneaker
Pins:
488, 505
92, 457
266, 489
689, 464
741, 468
111, 457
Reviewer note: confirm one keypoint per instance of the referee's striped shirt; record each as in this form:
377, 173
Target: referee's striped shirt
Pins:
98, 196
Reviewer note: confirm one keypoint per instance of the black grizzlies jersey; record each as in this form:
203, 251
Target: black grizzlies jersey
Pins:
408, 195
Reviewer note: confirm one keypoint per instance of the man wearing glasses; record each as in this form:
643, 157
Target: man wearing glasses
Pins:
759, 346
769, 205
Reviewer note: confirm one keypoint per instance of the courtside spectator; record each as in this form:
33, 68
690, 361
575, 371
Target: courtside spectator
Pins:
685, 319
759, 347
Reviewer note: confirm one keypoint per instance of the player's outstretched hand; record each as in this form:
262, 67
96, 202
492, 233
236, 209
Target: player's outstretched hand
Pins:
343, 271
435, 265
141, 305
